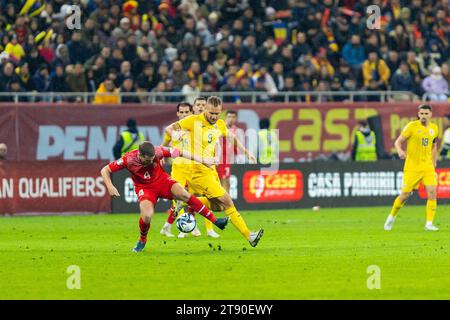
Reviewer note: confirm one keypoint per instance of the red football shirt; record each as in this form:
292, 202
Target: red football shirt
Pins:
144, 175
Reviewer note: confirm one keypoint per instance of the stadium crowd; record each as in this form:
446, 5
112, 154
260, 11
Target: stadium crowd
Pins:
194, 46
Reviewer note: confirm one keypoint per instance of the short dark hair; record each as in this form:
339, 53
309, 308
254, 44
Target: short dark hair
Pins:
200, 98
231, 112
264, 123
184, 104
425, 106
147, 149
214, 101
131, 123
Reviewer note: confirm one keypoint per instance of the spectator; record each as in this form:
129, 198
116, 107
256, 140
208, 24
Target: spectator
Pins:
375, 69
353, 52
191, 91
77, 49
75, 78
435, 86
402, 80
23, 73
6, 75
229, 87
278, 76
128, 88
178, 76
107, 93
42, 79
58, 82
15, 50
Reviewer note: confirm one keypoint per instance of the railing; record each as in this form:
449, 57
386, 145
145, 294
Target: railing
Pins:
251, 97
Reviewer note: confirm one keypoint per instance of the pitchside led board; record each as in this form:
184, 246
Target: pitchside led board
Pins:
326, 184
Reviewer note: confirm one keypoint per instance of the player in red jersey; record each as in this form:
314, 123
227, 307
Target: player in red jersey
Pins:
152, 182
229, 150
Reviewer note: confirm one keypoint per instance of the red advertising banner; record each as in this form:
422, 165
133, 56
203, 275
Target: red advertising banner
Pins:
88, 132
52, 186
280, 186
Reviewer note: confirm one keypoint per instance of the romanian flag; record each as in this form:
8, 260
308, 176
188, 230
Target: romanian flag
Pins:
280, 32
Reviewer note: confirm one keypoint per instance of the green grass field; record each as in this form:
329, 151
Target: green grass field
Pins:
303, 255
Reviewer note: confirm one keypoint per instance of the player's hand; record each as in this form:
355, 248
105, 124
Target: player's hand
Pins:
177, 135
402, 155
113, 192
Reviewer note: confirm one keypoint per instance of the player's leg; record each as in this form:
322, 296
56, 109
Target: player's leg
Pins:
209, 185
147, 211
410, 182
179, 193
179, 176
430, 182
399, 202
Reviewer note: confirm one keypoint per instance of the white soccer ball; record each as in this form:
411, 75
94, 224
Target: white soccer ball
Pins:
186, 223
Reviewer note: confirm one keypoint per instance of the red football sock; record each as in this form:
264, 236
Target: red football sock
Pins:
200, 208
144, 227
171, 217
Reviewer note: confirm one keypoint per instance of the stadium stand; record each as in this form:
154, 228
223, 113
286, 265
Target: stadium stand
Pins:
193, 46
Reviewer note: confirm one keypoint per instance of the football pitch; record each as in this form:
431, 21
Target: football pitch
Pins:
329, 254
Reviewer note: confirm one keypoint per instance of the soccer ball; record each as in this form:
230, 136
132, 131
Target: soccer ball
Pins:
186, 223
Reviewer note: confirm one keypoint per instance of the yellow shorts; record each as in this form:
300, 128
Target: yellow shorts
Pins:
206, 183
181, 174
411, 179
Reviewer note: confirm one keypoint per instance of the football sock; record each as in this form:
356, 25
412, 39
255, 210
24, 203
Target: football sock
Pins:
200, 208
144, 227
397, 206
209, 225
431, 210
171, 216
238, 221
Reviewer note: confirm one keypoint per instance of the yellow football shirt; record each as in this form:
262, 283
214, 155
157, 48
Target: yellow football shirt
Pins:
419, 145
203, 135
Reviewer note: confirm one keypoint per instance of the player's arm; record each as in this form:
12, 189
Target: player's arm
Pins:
172, 129
106, 175
399, 146
241, 147
163, 152
167, 139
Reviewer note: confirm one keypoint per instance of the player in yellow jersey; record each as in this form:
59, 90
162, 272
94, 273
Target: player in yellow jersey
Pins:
205, 130
420, 164
181, 170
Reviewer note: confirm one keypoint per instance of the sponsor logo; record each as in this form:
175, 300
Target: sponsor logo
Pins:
443, 187
280, 186
354, 184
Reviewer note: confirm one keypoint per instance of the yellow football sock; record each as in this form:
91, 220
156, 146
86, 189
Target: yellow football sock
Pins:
238, 221
397, 206
208, 225
431, 210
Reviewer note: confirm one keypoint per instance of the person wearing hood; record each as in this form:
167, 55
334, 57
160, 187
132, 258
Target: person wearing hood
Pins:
435, 85
62, 55
364, 146
129, 139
